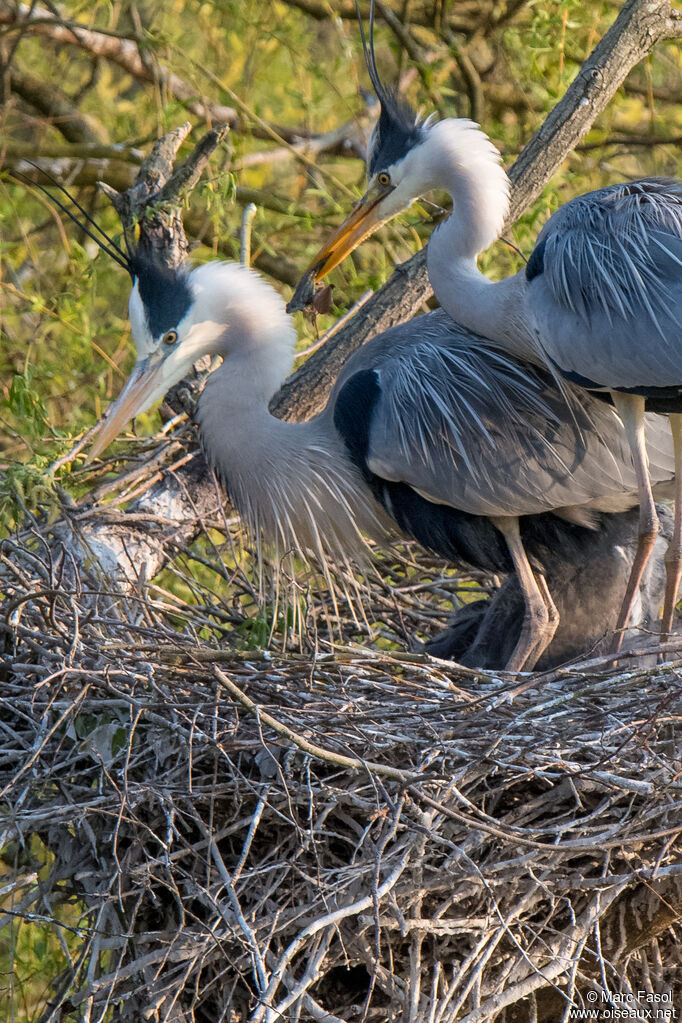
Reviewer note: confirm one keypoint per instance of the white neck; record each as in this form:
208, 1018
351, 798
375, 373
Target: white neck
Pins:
464, 162
294, 483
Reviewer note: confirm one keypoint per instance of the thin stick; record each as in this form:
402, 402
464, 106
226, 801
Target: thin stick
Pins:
355, 764
247, 225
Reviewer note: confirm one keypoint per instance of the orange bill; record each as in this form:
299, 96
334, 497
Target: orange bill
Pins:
140, 391
358, 225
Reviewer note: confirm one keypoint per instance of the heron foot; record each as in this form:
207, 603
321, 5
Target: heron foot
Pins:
540, 623
645, 545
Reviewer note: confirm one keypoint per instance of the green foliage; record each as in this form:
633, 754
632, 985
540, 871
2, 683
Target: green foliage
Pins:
24, 402
33, 950
25, 489
255, 633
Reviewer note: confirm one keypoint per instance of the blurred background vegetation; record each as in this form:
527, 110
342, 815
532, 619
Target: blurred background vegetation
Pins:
86, 87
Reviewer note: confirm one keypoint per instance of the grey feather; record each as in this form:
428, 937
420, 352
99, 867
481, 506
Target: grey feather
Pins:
612, 272
465, 424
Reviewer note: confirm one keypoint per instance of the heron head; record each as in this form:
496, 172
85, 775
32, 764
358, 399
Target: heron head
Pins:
397, 175
161, 310
178, 316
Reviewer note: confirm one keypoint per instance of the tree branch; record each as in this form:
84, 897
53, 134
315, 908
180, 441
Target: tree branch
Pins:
112, 168
55, 105
135, 551
123, 52
346, 11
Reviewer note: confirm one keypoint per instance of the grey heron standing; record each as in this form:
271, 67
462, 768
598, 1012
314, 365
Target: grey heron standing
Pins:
599, 302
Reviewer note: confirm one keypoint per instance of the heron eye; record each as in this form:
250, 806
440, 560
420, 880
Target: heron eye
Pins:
170, 337
383, 178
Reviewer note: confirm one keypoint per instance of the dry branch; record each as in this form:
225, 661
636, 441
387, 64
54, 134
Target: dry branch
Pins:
126, 53
346, 10
131, 552
57, 107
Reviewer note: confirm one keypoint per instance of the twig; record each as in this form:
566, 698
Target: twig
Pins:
247, 223
383, 770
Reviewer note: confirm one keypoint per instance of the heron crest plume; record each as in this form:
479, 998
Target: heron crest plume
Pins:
399, 127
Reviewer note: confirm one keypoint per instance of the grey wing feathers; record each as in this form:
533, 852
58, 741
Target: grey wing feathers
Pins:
607, 303
465, 424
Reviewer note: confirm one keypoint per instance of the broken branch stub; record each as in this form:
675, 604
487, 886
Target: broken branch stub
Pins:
185, 497
153, 202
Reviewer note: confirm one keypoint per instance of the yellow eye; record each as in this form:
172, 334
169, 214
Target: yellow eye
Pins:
383, 178
170, 337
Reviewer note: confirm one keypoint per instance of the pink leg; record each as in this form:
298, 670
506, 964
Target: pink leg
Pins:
673, 556
631, 410
541, 617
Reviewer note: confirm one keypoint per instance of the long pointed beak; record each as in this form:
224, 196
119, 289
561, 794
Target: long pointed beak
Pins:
361, 222
138, 393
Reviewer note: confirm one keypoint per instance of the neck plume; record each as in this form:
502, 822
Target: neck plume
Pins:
293, 483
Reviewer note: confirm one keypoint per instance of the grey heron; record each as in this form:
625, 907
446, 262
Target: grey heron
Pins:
599, 302
428, 429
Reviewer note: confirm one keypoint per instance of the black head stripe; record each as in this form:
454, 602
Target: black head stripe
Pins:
398, 131
166, 294
398, 128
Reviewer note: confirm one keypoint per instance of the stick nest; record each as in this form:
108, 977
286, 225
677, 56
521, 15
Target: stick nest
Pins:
344, 834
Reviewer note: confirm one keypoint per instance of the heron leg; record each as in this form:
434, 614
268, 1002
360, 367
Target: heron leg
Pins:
552, 613
541, 617
673, 555
631, 410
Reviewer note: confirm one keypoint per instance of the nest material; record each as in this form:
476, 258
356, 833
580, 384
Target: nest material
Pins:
350, 835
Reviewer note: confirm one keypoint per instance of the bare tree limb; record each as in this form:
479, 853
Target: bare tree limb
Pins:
641, 141
411, 47
133, 552
470, 77
56, 106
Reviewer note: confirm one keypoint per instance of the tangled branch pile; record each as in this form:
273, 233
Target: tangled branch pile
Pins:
352, 835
